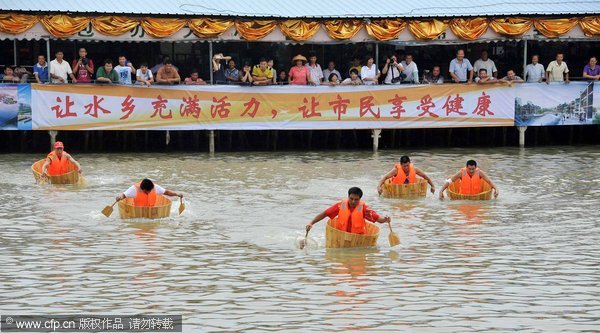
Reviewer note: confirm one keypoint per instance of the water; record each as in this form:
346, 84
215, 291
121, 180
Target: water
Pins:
528, 261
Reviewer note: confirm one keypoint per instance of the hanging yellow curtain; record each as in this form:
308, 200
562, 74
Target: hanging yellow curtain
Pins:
63, 25
162, 27
299, 30
553, 28
511, 26
469, 29
385, 29
208, 27
427, 29
13, 23
255, 30
114, 25
342, 29
590, 25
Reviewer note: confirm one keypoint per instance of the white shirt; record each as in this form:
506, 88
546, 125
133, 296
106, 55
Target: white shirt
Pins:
411, 71
534, 73
316, 74
132, 191
557, 71
62, 69
391, 72
488, 65
327, 72
143, 76
124, 73
366, 72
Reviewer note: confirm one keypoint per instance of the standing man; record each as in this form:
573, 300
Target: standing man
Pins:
57, 161
557, 70
168, 74
124, 69
82, 67
106, 73
404, 173
40, 70
459, 67
262, 73
410, 70
60, 70
144, 193
471, 177
534, 72
591, 71
329, 70
487, 63
351, 213
392, 71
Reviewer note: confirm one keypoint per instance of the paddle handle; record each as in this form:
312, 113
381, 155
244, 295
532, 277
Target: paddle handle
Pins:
390, 225
114, 203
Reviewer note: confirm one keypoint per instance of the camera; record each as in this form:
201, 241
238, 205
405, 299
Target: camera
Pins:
84, 61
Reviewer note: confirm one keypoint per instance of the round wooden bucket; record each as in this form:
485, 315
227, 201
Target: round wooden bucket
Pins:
162, 209
71, 177
416, 190
335, 238
454, 192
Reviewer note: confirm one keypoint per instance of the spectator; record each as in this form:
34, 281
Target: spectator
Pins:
534, 72
218, 61
370, 73
459, 67
40, 70
410, 70
354, 65
82, 67
330, 69
393, 71
299, 74
22, 73
168, 74
591, 71
9, 76
194, 78
270, 64
483, 78
488, 64
246, 78
125, 69
106, 73
557, 70
332, 80
511, 78
261, 73
143, 76
353, 80
158, 66
232, 74
316, 73
282, 77
435, 77
60, 69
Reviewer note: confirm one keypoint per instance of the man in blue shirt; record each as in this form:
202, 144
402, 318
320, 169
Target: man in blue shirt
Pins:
40, 70
461, 69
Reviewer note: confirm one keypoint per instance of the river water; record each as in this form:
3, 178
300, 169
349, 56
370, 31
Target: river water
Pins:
528, 261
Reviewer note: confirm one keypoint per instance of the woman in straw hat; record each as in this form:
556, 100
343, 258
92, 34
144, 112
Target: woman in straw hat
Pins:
299, 74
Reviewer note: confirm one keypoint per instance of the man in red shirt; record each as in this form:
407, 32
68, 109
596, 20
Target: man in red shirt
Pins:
351, 213
83, 67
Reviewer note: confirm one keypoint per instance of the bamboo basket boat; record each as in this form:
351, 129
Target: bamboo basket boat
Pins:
71, 177
416, 190
162, 209
454, 192
335, 238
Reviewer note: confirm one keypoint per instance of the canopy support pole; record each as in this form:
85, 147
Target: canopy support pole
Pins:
524, 56
15, 51
210, 62
48, 58
211, 142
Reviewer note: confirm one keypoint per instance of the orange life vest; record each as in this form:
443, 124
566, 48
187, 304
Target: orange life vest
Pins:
401, 177
470, 184
356, 217
58, 166
143, 199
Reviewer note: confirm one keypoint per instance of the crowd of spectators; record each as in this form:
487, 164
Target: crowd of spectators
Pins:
302, 71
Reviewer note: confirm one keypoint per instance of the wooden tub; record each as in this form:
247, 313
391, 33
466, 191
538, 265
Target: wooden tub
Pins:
454, 192
416, 190
162, 209
71, 177
335, 238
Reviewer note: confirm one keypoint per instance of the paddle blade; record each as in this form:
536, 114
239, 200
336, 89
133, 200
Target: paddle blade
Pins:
394, 239
107, 211
181, 207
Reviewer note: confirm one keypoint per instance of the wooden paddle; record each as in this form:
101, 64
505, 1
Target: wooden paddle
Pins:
393, 237
181, 205
108, 209
303, 241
